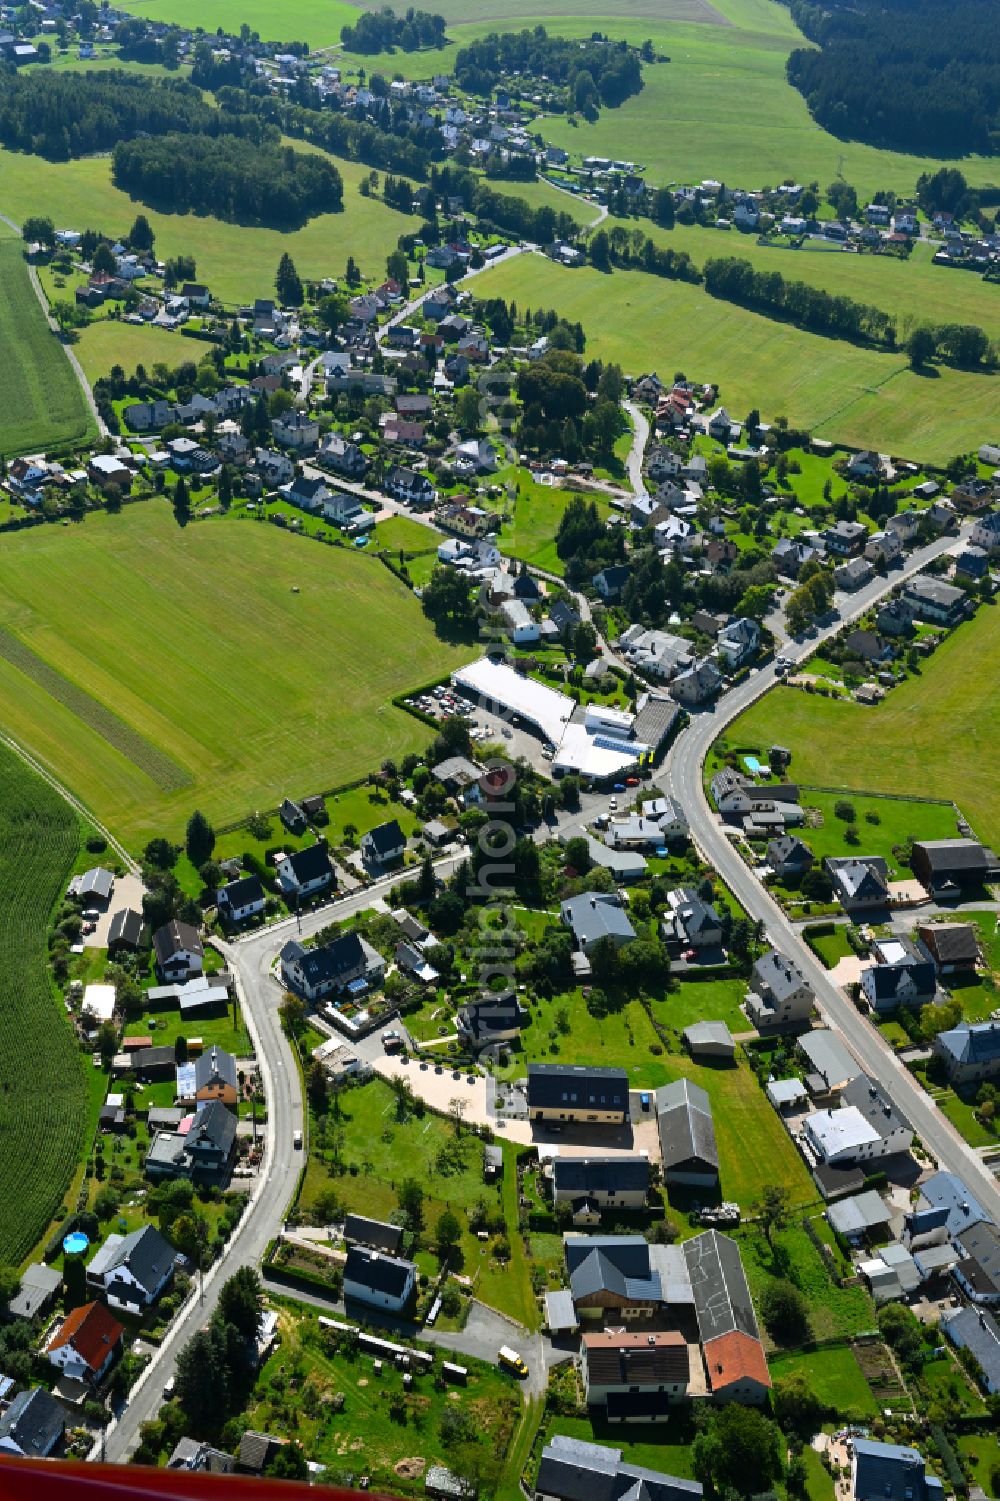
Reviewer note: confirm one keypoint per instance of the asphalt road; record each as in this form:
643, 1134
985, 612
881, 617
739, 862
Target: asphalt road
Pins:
681, 777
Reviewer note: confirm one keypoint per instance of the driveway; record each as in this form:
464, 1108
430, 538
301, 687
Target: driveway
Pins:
128, 892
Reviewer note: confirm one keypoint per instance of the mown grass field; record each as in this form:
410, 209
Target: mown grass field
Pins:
934, 736
229, 689
913, 291
43, 1098
835, 1377
838, 390
538, 510
108, 342
294, 21
237, 263
723, 108
40, 398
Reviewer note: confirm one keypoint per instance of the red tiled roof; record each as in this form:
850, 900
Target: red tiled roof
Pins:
92, 1331
735, 1357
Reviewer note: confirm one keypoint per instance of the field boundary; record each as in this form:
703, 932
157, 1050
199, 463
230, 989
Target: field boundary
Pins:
158, 766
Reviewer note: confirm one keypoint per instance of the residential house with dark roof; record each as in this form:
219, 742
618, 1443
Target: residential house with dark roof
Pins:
574, 1092
789, 857
574, 1470
727, 1324
902, 974
954, 946
132, 1270
860, 882
125, 932
378, 1280
940, 864
384, 844
256, 1452
779, 993
635, 1376
489, 1021
690, 922
610, 582
202, 1152
292, 815
241, 900
34, 1425
890, 1472
612, 1276
687, 1135
932, 600
86, 1343
970, 1052
305, 872
317, 972
977, 1331
179, 951
945, 1209
978, 1270
379, 1235
592, 1184
215, 1076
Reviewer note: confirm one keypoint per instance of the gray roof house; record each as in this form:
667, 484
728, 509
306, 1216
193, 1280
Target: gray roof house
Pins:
831, 1064
687, 1134
33, 1425
860, 882
378, 1234
572, 1469
39, 1285
970, 1052
978, 1271
903, 974
789, 857
890, 1472
779, 993
132, 1270
709, 1040
595, 915
613, 1272
691, 922
379, 1280
977, 1331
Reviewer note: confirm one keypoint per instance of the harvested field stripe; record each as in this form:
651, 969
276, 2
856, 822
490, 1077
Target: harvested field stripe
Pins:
167, 775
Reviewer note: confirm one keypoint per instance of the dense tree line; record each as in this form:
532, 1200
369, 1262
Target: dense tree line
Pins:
584, 544
382, 30
507, 212
809, 307
632, 250
357, 140
891, 74
62, 115
229, 178
595, 71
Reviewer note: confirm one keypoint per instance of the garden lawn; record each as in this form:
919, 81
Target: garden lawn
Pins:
962, 1115
378, 1151
272, 692
623, 1039
833, 1311
703, 1000
982, 1450
41, 402
363, 1437
538, 510
838, 390
665, 1447
44, 1099
898, 821
832, 947
109, 341
835, 1378
236, 263
934, 736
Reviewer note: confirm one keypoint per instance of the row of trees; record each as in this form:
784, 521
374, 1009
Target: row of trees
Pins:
595, 72
631, 249
230, 178
63, 115
382, 30
738, 281
890, 74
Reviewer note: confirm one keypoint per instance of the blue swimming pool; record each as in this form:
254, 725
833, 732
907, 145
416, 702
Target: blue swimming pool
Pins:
753, 765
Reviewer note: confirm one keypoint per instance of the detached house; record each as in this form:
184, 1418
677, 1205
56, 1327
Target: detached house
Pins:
903, 974
407, 485
378, 1280
315, 973
970, 1052
295, 430
305, 872
132, 1270
383, 845
86, 1343
738, 641
635, 1376
860, 883
779, 993
240, 900
571, 1092
179, 952
34, 1425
